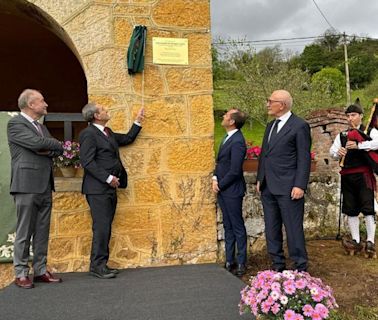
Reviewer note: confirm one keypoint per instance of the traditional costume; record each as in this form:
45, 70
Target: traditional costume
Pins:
358, 182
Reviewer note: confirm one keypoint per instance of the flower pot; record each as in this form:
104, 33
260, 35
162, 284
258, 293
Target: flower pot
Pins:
250, 165
79, 172
68, 172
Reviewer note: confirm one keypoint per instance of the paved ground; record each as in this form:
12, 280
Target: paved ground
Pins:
195, 292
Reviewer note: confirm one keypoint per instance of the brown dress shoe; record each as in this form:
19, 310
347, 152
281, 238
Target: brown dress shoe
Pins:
24, 282
47, 277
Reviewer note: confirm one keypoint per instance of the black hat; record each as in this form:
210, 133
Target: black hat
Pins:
354, 108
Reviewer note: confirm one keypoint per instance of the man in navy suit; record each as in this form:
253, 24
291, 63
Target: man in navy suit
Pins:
229, 185
103, 175
283, 174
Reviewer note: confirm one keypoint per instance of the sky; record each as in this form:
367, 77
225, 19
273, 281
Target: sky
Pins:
280, 19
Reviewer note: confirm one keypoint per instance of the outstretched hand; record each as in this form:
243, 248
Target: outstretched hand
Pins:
140, 115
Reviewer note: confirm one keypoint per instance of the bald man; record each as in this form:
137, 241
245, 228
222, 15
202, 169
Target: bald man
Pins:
282, 178
32, 182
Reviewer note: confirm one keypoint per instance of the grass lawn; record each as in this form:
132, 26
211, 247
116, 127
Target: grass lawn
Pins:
254, 134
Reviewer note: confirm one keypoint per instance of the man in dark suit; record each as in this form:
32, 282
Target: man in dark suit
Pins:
229, 185
103, 174
283, 174
32, 149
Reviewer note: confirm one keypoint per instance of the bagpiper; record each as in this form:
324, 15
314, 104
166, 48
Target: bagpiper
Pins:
355, 150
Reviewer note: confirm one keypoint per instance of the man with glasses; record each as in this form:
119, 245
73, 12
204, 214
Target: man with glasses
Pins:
282, 177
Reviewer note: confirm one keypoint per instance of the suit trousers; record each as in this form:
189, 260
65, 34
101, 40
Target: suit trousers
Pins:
33, 222
103, 207
278, 210
234, 228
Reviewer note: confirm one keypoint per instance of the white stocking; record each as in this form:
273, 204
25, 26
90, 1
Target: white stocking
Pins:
354, 227
370, 227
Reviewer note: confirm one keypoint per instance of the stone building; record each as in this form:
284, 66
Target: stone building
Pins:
75, 51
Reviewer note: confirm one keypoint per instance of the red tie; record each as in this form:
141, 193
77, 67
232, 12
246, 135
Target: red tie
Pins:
107, 131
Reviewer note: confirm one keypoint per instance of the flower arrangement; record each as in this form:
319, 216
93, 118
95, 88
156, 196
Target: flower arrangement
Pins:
312, 154
70, 156
253, 152
290, 295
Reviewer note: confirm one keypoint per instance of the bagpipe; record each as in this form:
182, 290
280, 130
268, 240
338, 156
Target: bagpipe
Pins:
363, 134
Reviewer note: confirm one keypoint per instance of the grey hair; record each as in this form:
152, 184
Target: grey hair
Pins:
89, 111
26, 97
289, 101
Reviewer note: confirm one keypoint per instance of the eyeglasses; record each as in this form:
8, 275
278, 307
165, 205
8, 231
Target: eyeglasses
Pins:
270, 101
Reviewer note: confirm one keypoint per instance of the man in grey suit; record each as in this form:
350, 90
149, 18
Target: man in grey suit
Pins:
32, 149
282, 177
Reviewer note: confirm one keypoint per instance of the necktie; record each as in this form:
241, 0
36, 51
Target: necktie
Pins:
107, 132
224, 139
39, 127
274, 130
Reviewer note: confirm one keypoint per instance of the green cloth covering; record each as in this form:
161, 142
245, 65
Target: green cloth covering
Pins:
135, 52
8, 209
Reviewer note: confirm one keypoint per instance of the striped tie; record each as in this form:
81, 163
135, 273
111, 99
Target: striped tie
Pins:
39, 127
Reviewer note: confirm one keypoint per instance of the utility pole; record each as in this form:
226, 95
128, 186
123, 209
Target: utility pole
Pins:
346, 70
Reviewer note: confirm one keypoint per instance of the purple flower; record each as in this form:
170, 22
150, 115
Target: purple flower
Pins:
322, 310
307, 310
70, 156
289, 315
274, 295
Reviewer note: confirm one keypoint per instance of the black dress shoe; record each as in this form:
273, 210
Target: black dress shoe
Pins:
102, 273
229, 266
301, 269
240, 270
115, 271
278, 268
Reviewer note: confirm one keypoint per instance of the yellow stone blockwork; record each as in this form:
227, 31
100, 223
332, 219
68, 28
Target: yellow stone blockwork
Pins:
192, 155
167, 214
166, 117
185, 80
201, 115
182, 13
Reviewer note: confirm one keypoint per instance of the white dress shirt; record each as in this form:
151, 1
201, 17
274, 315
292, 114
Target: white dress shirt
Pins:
365, 145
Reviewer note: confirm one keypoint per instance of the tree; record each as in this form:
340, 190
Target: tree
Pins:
331, 40
313, 58
267, 71
362, 69
331, 82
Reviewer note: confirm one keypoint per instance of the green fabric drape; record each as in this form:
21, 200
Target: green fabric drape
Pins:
8, 209
135, 52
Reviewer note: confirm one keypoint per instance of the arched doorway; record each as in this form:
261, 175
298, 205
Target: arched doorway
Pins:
36, 52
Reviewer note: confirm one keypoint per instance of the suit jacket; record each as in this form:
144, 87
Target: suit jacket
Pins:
229, 166
30, 172
285, 161
99, 156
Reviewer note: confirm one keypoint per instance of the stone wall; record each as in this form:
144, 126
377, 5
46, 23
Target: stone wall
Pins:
167, 214
325, 126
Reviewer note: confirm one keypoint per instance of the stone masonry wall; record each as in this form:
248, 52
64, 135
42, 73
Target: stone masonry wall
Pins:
167, 214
